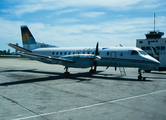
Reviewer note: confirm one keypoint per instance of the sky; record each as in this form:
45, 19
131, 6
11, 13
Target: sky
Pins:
81, 23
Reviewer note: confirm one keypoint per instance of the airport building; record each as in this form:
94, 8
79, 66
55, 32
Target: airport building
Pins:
154, 40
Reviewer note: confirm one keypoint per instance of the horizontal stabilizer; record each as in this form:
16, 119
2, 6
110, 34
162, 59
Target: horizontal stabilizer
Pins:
21, 49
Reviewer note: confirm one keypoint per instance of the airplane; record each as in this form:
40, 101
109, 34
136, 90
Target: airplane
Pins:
83, 57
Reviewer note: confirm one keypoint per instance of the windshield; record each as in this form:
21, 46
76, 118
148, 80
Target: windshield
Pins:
143, 53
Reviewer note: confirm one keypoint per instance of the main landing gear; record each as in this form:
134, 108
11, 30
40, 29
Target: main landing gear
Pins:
92, 71
140, 76
66, 73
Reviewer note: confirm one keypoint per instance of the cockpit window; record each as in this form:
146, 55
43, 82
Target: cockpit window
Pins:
143, 53
134, 52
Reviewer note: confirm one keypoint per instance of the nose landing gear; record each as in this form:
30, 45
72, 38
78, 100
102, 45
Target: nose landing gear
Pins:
140, 76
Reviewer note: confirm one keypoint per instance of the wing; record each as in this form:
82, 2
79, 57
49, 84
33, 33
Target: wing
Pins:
44, 57
39, 57
19, 48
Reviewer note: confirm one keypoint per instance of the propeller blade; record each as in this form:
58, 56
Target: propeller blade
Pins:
96, 53
97, 49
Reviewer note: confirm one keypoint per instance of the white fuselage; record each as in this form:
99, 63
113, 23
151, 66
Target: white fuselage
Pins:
110, 57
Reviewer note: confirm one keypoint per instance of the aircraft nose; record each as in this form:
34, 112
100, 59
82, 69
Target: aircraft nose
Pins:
155, 62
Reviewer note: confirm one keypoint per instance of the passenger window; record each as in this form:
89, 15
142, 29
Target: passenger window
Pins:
134, 52
107, 53
56, 53
53, 53
65, 53
60, 53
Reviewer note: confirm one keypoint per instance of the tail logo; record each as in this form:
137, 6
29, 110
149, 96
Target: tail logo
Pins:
25, 37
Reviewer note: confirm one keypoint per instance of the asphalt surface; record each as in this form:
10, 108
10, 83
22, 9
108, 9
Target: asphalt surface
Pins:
30, 90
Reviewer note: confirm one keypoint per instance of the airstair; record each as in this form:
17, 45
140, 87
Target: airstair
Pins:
122, 71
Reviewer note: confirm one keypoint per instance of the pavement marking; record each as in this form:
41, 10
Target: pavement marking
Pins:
93, 105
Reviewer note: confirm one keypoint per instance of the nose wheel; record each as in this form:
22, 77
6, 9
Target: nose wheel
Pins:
140, 76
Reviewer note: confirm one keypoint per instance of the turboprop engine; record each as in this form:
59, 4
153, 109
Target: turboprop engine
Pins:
80, 60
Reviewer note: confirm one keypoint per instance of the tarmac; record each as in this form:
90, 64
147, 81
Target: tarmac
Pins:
31, 90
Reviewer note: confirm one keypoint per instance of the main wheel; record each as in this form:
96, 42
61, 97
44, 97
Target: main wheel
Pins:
66, 74
92, 71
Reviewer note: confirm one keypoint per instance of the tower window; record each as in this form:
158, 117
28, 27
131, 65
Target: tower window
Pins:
143, 48
162, 47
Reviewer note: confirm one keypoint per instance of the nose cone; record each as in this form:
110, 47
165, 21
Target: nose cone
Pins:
153, 61
156, 62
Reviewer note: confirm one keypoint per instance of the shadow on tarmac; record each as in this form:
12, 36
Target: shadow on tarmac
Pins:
57, 76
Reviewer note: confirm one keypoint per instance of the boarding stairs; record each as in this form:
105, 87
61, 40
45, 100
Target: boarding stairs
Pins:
122, 71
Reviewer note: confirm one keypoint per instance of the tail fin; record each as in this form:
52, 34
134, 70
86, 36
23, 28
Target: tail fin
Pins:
27, 38
29, 41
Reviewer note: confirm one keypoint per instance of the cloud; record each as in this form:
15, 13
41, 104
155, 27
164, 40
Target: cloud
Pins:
66, 11
68, 20
92, 14
108, 33
33, 6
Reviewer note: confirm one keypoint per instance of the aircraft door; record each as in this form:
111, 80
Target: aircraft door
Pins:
113, 57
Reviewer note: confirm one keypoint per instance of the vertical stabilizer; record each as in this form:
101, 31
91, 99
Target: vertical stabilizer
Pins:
29, 41
27, 38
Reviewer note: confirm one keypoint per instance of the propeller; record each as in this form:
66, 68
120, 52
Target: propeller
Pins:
96, 53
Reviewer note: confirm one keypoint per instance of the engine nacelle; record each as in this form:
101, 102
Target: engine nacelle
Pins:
80, 60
